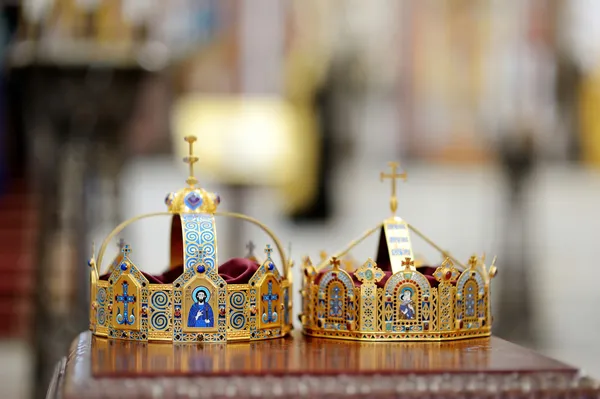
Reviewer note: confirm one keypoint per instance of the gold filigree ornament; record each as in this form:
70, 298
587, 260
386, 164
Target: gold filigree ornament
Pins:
196, 299
395, 297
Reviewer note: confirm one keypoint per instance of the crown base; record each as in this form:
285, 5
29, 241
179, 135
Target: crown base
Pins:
398, 337
407, 307
128, 307
260, 335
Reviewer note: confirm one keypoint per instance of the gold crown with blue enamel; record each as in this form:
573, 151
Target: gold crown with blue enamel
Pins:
392, 298
196, 299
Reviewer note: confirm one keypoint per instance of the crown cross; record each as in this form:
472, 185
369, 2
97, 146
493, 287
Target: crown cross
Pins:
408, 262
473, 262
393, 176
268, 251
250, 247
126, 250
191, 160
335, 262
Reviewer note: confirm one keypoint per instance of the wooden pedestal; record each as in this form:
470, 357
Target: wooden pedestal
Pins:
309, 367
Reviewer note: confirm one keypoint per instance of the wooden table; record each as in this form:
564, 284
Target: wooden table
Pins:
300, 366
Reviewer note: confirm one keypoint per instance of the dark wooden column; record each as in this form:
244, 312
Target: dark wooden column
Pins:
70, 113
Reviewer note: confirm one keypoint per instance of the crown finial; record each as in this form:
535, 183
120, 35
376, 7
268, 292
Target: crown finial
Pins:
250, 247
126, 250
493, 269
408, 263
473, 262
335, 262
393, 176
268, 250
191, 160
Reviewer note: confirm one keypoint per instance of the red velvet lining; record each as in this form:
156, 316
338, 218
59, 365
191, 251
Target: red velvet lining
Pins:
427, 271
234, 271
383, 262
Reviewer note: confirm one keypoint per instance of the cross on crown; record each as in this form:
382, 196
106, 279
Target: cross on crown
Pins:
335, 262
250, 247
393, 176
191, 160
268, 251
407, 263
473, 261
126, 250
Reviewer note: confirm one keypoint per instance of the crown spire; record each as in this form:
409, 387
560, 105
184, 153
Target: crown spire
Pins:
268, 251
393, 176
473, 262
250, 247
191, 160
335, 262
126, 250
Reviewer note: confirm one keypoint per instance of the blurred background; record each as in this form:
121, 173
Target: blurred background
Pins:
491, 106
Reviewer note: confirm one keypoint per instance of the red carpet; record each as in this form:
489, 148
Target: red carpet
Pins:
18, 227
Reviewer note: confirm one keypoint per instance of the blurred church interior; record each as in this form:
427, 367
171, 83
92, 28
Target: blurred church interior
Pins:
489, 106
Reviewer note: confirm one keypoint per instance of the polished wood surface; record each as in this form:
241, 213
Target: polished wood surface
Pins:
306, 355
298, 366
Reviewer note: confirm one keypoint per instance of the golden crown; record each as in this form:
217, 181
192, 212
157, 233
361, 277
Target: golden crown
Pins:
392, 299
195, 299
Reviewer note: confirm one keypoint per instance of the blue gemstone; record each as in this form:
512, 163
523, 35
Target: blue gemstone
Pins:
218, 199
201, 269
89, 262
193, 200
123, 266
271, 266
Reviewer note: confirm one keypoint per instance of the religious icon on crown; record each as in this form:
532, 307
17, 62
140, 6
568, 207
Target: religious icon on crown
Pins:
407, 310
201, 313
